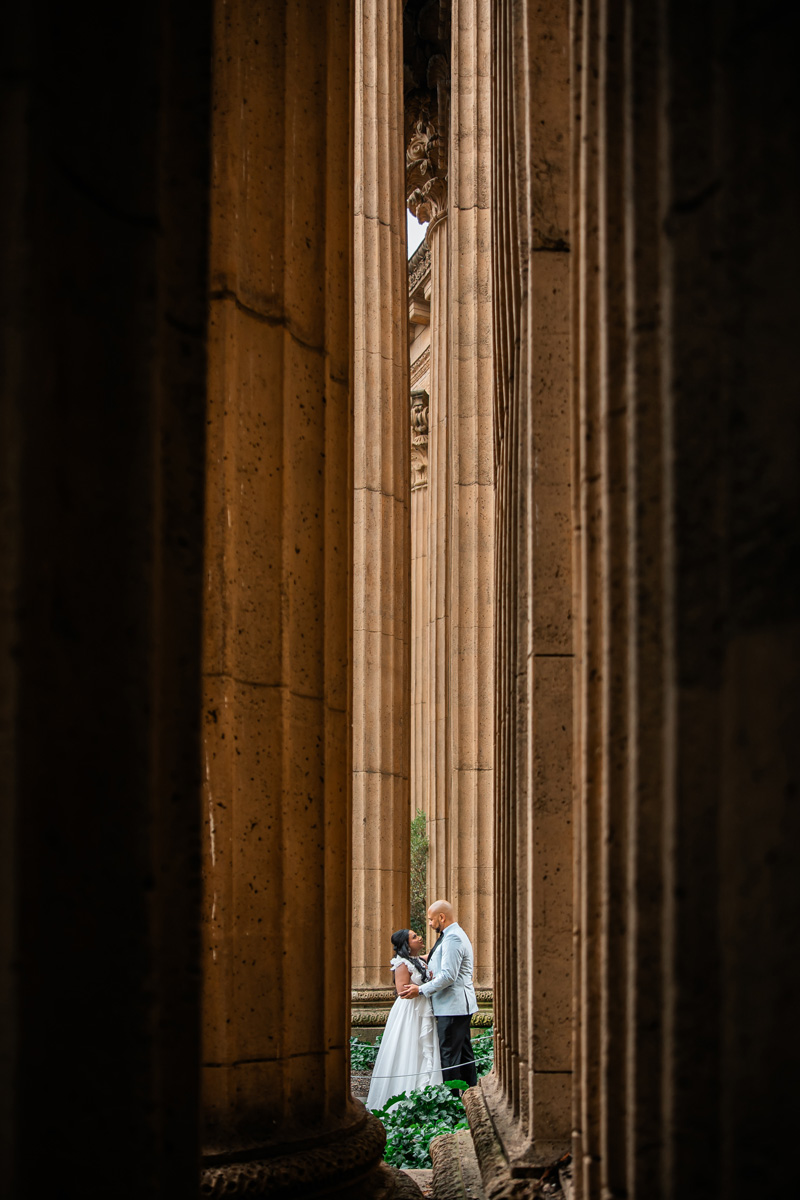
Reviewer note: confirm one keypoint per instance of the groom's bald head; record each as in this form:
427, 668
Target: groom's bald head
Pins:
440, 915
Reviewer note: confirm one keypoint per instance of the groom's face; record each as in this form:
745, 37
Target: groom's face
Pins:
435, 921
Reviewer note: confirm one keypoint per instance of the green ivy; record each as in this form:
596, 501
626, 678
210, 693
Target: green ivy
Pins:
484, 1051
363, 1054
412, 1120
420, 846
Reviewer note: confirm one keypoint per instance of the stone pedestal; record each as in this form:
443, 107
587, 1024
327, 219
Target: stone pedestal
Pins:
382, 534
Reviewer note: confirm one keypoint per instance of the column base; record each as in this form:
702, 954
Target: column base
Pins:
344, 1162
509, 1167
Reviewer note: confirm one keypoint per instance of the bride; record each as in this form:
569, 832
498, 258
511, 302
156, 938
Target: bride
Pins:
408, 1056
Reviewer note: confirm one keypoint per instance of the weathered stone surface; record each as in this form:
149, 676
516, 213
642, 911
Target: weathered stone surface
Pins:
534, 666
277, 1116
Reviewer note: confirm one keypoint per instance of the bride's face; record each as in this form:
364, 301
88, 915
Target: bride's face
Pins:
416, 944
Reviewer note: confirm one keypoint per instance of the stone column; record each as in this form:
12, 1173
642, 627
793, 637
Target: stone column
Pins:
382, 547
470, 548
103, 300
420, 404
277, 1114
686, 500
529, 1093
427, 199
440, 854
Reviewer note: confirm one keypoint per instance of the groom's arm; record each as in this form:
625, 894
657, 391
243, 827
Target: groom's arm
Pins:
450, 964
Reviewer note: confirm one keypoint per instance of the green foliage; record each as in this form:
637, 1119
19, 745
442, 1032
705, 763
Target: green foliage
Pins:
484, 1051
419, 873
363, 1054
412, 1120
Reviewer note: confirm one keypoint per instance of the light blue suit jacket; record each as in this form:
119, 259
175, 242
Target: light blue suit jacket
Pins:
451, 990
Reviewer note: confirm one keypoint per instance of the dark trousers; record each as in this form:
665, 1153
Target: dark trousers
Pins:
455, 1045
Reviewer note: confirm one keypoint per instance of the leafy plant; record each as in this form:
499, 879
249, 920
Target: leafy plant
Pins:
420, 845
363, 1054
412, 1120
484, 1052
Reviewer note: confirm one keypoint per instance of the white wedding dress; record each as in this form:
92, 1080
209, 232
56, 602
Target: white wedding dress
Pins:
408, 1056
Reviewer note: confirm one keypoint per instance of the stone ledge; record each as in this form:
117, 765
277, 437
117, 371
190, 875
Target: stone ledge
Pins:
456, 1175
496, 1178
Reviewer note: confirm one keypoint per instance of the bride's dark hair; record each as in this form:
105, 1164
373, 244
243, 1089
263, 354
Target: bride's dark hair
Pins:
402, 948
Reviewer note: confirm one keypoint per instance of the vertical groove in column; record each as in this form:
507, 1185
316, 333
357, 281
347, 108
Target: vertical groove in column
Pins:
613, 428
591, 618
470, 452
382, 533
440, 860
419, 632
505, 312
577, 84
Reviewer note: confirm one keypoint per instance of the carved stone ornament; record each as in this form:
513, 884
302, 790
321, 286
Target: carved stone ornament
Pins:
369, 1017
385, 995
419, 437
426, 169
419, 265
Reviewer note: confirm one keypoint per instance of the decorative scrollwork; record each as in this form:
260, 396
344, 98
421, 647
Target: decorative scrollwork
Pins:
370, 1016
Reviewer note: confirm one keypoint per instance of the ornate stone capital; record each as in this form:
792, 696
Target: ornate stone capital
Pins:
419, 437
426, 168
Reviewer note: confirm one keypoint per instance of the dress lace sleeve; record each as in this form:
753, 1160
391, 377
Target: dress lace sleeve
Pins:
413, 972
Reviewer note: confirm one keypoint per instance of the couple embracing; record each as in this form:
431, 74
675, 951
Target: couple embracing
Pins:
427, 1037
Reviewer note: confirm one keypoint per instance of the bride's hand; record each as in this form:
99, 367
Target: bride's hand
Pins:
408, 993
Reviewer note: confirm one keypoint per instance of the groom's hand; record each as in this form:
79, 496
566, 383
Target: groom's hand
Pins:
409, 992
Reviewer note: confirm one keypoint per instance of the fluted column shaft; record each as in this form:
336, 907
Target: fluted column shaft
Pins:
277, 760
419, 623
530, 1094
471, 454
382, 535
439, 831
683, 342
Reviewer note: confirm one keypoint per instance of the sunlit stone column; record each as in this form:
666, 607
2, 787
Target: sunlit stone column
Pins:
470, 546
277, 1115
426, 157
420, 401
382, 535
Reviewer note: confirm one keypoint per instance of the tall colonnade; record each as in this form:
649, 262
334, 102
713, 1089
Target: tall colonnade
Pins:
209, 477
647, 518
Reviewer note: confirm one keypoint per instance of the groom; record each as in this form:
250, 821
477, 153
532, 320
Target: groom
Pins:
450, 964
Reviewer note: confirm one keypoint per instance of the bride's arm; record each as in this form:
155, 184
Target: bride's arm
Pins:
402, 977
